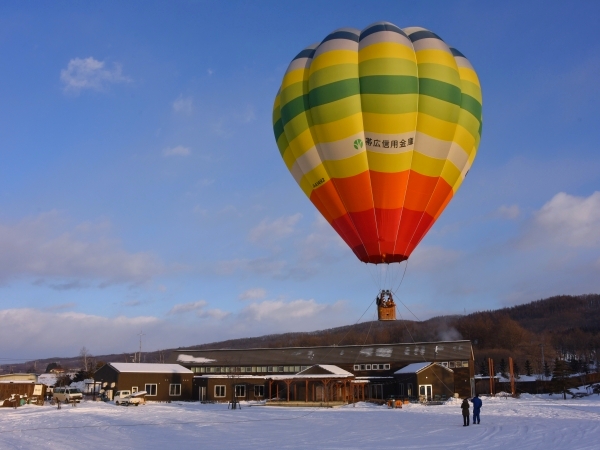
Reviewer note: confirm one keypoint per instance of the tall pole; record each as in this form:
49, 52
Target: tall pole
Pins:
543, 362
513, 391
140, 355
491, 371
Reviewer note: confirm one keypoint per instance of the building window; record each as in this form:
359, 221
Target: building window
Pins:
445, 364
304, 367
175, 389
356, 366
280, 369
270, 368
286, 369
220, 391
386, 366
465, 363
259, 391
134, 389
377, 391
240, 390
409, 390
368, 366
401, 389
254, 369
363, 367
150, 390
451, 364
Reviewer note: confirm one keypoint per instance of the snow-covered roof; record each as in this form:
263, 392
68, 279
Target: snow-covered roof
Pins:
194, 359
413, 368
150, 368
334, 370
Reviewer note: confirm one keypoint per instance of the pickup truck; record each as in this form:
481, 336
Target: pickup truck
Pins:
126, 398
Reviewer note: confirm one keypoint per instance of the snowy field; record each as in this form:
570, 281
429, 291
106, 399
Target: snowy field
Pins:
532, 422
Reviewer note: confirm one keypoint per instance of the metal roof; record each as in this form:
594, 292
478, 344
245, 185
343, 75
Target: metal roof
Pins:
149, 368
335, 355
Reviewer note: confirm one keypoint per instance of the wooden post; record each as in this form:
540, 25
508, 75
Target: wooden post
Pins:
306, 392
313, 397
287, 383
492, 375
513, 390
295, 392
270, 384
277, 391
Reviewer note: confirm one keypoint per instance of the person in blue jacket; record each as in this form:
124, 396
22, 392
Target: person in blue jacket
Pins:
476, 408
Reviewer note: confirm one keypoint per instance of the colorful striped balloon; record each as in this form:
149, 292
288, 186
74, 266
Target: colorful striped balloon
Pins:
379, 128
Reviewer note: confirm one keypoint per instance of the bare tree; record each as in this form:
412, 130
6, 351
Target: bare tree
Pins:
85, 355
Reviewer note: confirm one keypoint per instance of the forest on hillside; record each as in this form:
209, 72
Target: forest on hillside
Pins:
564, 327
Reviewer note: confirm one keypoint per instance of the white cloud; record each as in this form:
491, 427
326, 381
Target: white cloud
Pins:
182, 308
508, 212
287, 311
180, 150
268, 231
215, 313
183, 105
568, 220
40, 248
45, 333
253, 294
89, 73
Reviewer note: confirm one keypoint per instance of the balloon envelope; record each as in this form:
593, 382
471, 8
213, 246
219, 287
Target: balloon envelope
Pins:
379, 128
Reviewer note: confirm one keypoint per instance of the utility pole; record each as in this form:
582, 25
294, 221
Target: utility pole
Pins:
140, 355
543, 362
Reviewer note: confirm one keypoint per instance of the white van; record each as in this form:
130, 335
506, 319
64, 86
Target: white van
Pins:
67, 395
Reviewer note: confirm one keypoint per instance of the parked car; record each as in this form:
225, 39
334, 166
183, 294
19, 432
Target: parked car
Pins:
126, 398
67, 395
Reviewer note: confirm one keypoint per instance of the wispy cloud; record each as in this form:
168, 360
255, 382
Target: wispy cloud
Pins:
253, 294
269, 231
508, 212
183, 105
180, 150
89, 73
39, 247
187, 307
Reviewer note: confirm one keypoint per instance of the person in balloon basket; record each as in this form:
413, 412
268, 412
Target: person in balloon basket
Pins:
476, 408
465, 412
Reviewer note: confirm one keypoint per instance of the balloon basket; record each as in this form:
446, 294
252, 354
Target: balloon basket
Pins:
386, 312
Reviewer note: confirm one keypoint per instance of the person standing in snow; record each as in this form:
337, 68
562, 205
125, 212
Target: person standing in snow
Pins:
465, 412
476, 408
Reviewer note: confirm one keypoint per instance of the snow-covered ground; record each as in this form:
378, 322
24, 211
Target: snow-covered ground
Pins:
531, 422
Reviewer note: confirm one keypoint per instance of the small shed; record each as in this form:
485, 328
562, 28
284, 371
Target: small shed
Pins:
427, 381
16, 393
162, 382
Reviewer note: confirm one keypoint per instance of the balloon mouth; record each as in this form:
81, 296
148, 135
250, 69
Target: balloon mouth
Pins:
382, 259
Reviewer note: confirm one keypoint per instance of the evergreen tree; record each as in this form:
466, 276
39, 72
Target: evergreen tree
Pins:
527, 368
560, 377
546, 370
502, 367
574, 365
482, 371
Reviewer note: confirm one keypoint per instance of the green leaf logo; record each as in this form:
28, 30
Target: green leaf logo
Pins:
358, 144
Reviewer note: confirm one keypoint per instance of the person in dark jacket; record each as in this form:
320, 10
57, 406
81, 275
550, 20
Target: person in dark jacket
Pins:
476, 408
465, 412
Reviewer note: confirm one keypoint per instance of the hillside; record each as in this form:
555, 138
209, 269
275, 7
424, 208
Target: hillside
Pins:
559, 326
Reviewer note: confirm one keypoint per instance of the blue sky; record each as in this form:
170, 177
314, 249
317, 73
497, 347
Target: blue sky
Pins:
141, 187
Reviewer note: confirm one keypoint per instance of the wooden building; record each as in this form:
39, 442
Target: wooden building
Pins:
162, 382
428, 381
18, 392
373, 367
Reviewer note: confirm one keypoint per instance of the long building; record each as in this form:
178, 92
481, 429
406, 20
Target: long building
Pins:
373, 371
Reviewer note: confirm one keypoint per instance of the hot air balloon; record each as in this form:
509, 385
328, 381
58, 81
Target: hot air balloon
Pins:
379, 128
